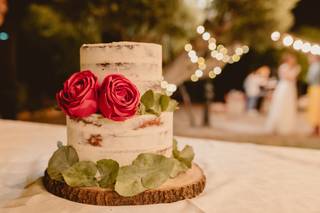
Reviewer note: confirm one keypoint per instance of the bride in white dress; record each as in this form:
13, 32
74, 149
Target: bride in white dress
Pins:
283, 109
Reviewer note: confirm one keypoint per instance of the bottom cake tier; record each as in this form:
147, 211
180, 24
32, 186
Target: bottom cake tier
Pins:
96, 138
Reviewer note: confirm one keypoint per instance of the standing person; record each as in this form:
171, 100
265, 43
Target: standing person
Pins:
254, 88
283, 110
313, 79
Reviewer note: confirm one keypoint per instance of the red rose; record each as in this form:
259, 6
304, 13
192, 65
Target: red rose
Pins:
79, 96
119, 98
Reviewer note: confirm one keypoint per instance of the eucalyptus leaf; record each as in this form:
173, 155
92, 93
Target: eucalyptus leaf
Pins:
142, 109
147, 99
156, 110
108, 170
178, 168
81, 174
128, 181
147, 171
185, 156
164, 102
173, 105
62, 159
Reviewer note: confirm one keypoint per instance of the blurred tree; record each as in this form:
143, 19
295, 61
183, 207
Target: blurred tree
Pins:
55, 30
237, 21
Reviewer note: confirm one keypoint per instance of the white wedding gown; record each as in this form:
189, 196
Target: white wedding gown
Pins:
283, 109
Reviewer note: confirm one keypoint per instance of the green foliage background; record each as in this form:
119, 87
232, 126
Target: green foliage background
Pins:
53, 31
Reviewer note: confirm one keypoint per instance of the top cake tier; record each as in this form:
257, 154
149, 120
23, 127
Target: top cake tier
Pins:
139, 62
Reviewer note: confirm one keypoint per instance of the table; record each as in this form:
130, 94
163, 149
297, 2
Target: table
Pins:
242, 178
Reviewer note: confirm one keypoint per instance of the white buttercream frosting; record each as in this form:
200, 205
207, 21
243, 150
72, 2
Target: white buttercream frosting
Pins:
97, 138
139, 62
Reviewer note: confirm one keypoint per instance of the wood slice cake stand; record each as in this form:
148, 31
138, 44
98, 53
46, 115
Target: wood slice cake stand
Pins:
184, 186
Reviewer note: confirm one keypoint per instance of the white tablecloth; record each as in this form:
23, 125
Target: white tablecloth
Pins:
241, 178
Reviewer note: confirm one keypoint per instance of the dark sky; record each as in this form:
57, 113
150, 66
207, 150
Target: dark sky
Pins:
307, 12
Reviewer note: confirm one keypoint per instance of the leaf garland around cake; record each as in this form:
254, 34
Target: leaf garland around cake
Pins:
62, 159
147, 171
154, 103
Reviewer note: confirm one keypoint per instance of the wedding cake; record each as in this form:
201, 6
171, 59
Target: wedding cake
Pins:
95, 137
120, 129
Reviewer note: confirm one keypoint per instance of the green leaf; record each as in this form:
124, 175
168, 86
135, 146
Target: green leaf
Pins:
142, 109
178, 168
155, 103
62, 159
173, 105
128, 181
156, 108
185, 156
147, 99
108, 170
164, 102
81, 174
147, 171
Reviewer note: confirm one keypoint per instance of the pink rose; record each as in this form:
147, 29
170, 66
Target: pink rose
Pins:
119, 98
79, 96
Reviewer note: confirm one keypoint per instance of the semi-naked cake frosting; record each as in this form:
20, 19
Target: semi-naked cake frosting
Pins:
96, 137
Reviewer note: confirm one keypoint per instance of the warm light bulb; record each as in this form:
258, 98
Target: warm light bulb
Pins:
194, 78
217, 70
275, 36
198, 73
239, 51
212, 46
245, 49
202, 66
236, 58
188, 47
287, 40
200, 29
206, 36
212, 74
192, 54
194, 59
219, 56
212, 40
297, 45
214, 53
226, 58
201, 60
306, 47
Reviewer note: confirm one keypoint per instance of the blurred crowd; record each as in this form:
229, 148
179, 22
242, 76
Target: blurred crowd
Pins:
282, 92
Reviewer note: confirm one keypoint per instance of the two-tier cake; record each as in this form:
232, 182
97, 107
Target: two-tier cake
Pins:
120, 148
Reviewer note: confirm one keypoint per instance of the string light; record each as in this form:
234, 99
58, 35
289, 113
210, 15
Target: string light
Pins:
198, 73
306, 47
168, 88
212, 74
245, 49
188, 47
200, 29
297, 44
239, 51
275, 36
287, 40
194, 78
217, 51
206, 36
217, 70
